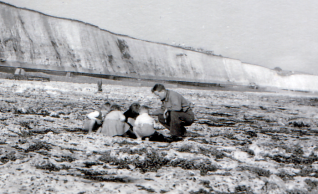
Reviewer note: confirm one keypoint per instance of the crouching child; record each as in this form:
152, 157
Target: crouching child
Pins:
114, 123
131, 115
144, 127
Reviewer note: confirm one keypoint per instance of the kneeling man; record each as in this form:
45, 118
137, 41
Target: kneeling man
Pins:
175, 112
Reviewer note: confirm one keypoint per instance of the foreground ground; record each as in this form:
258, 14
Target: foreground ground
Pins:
239, 143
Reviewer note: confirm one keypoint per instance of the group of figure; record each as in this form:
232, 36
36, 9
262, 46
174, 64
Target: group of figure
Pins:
137, 122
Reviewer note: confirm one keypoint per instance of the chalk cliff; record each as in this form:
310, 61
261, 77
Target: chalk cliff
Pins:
32, 39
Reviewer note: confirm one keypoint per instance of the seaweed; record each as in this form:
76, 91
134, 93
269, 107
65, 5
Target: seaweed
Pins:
47, 166
37, 146
9, 156
256, 170
152, 162
204, 167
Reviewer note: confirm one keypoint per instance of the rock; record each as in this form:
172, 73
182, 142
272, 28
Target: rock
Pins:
54, 114
49, 119
21, 111
274, 185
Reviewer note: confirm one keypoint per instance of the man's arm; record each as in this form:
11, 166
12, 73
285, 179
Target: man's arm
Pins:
186, 106
177, 102
156, 112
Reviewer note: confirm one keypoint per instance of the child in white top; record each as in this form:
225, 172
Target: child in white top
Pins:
144, 127
114, 123
94, 120
144, 124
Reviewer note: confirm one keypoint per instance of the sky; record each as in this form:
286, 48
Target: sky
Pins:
270, 33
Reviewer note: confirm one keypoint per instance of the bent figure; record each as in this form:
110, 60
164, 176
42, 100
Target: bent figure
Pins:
94, 120
144, 127
175, 112
114, 123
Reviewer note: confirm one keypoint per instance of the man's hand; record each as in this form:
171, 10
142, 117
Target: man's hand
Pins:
165, 115
185, 109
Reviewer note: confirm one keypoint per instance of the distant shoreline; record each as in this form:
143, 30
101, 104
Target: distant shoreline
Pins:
7, 72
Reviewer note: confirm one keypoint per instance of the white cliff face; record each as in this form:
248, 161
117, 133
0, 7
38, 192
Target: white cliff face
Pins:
31, 39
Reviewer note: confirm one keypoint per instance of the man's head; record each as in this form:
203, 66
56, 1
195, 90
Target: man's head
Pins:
160, 91
144, 109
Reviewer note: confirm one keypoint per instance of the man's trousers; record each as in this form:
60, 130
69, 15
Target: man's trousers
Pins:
176, 121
